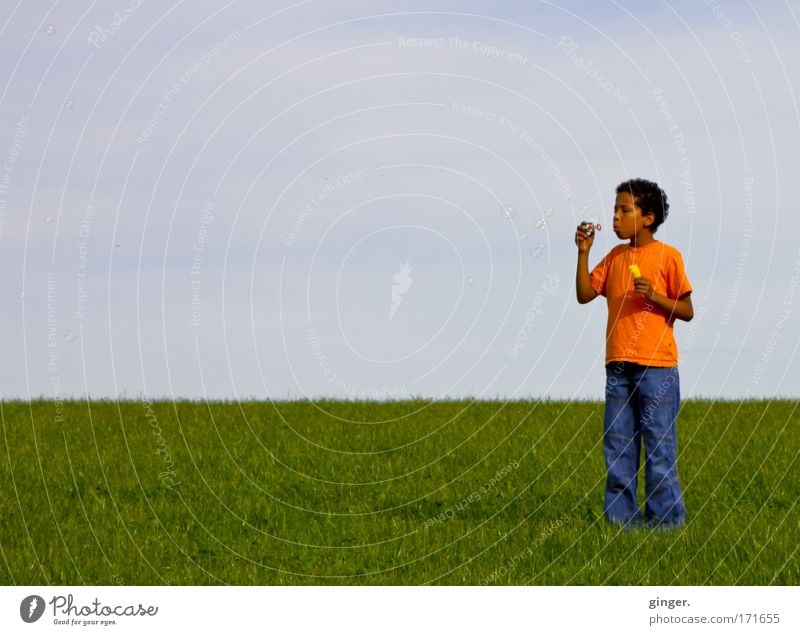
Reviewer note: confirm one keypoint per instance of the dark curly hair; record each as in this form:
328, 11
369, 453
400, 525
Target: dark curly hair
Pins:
649, 197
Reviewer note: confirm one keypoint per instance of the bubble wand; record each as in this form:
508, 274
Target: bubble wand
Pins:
590, 226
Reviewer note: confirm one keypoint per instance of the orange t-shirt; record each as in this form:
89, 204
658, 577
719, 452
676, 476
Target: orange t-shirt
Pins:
638, 331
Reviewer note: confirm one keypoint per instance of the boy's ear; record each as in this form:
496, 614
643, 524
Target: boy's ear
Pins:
649, 218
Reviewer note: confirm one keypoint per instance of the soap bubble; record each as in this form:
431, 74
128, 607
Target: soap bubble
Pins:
325, 175
508, 211
69, 336
470, 280
68, 104
50, 29
524, 236
538, 251
541, 224
48, 219
549, 212
21, 295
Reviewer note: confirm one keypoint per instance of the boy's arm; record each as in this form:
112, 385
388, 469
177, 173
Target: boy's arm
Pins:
680, 309
583, 285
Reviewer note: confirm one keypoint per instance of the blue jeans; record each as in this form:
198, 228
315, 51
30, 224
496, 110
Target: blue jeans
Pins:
642, 405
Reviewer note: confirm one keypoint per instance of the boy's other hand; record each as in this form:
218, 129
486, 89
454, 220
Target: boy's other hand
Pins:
644, 286
583, 239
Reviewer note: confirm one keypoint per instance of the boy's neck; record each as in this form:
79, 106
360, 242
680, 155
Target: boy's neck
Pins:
643, 238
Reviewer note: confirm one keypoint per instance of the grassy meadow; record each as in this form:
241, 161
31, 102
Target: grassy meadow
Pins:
399, 492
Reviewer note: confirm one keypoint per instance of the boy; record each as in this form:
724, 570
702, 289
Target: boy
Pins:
642, 387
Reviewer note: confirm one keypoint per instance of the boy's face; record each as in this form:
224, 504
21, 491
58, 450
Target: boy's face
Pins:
628, 218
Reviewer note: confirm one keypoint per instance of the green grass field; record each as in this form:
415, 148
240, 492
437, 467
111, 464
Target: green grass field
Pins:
407, 492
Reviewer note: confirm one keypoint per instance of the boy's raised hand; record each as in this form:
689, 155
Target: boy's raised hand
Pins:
583, 239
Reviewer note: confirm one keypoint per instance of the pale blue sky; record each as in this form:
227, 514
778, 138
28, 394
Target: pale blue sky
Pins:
279, 162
